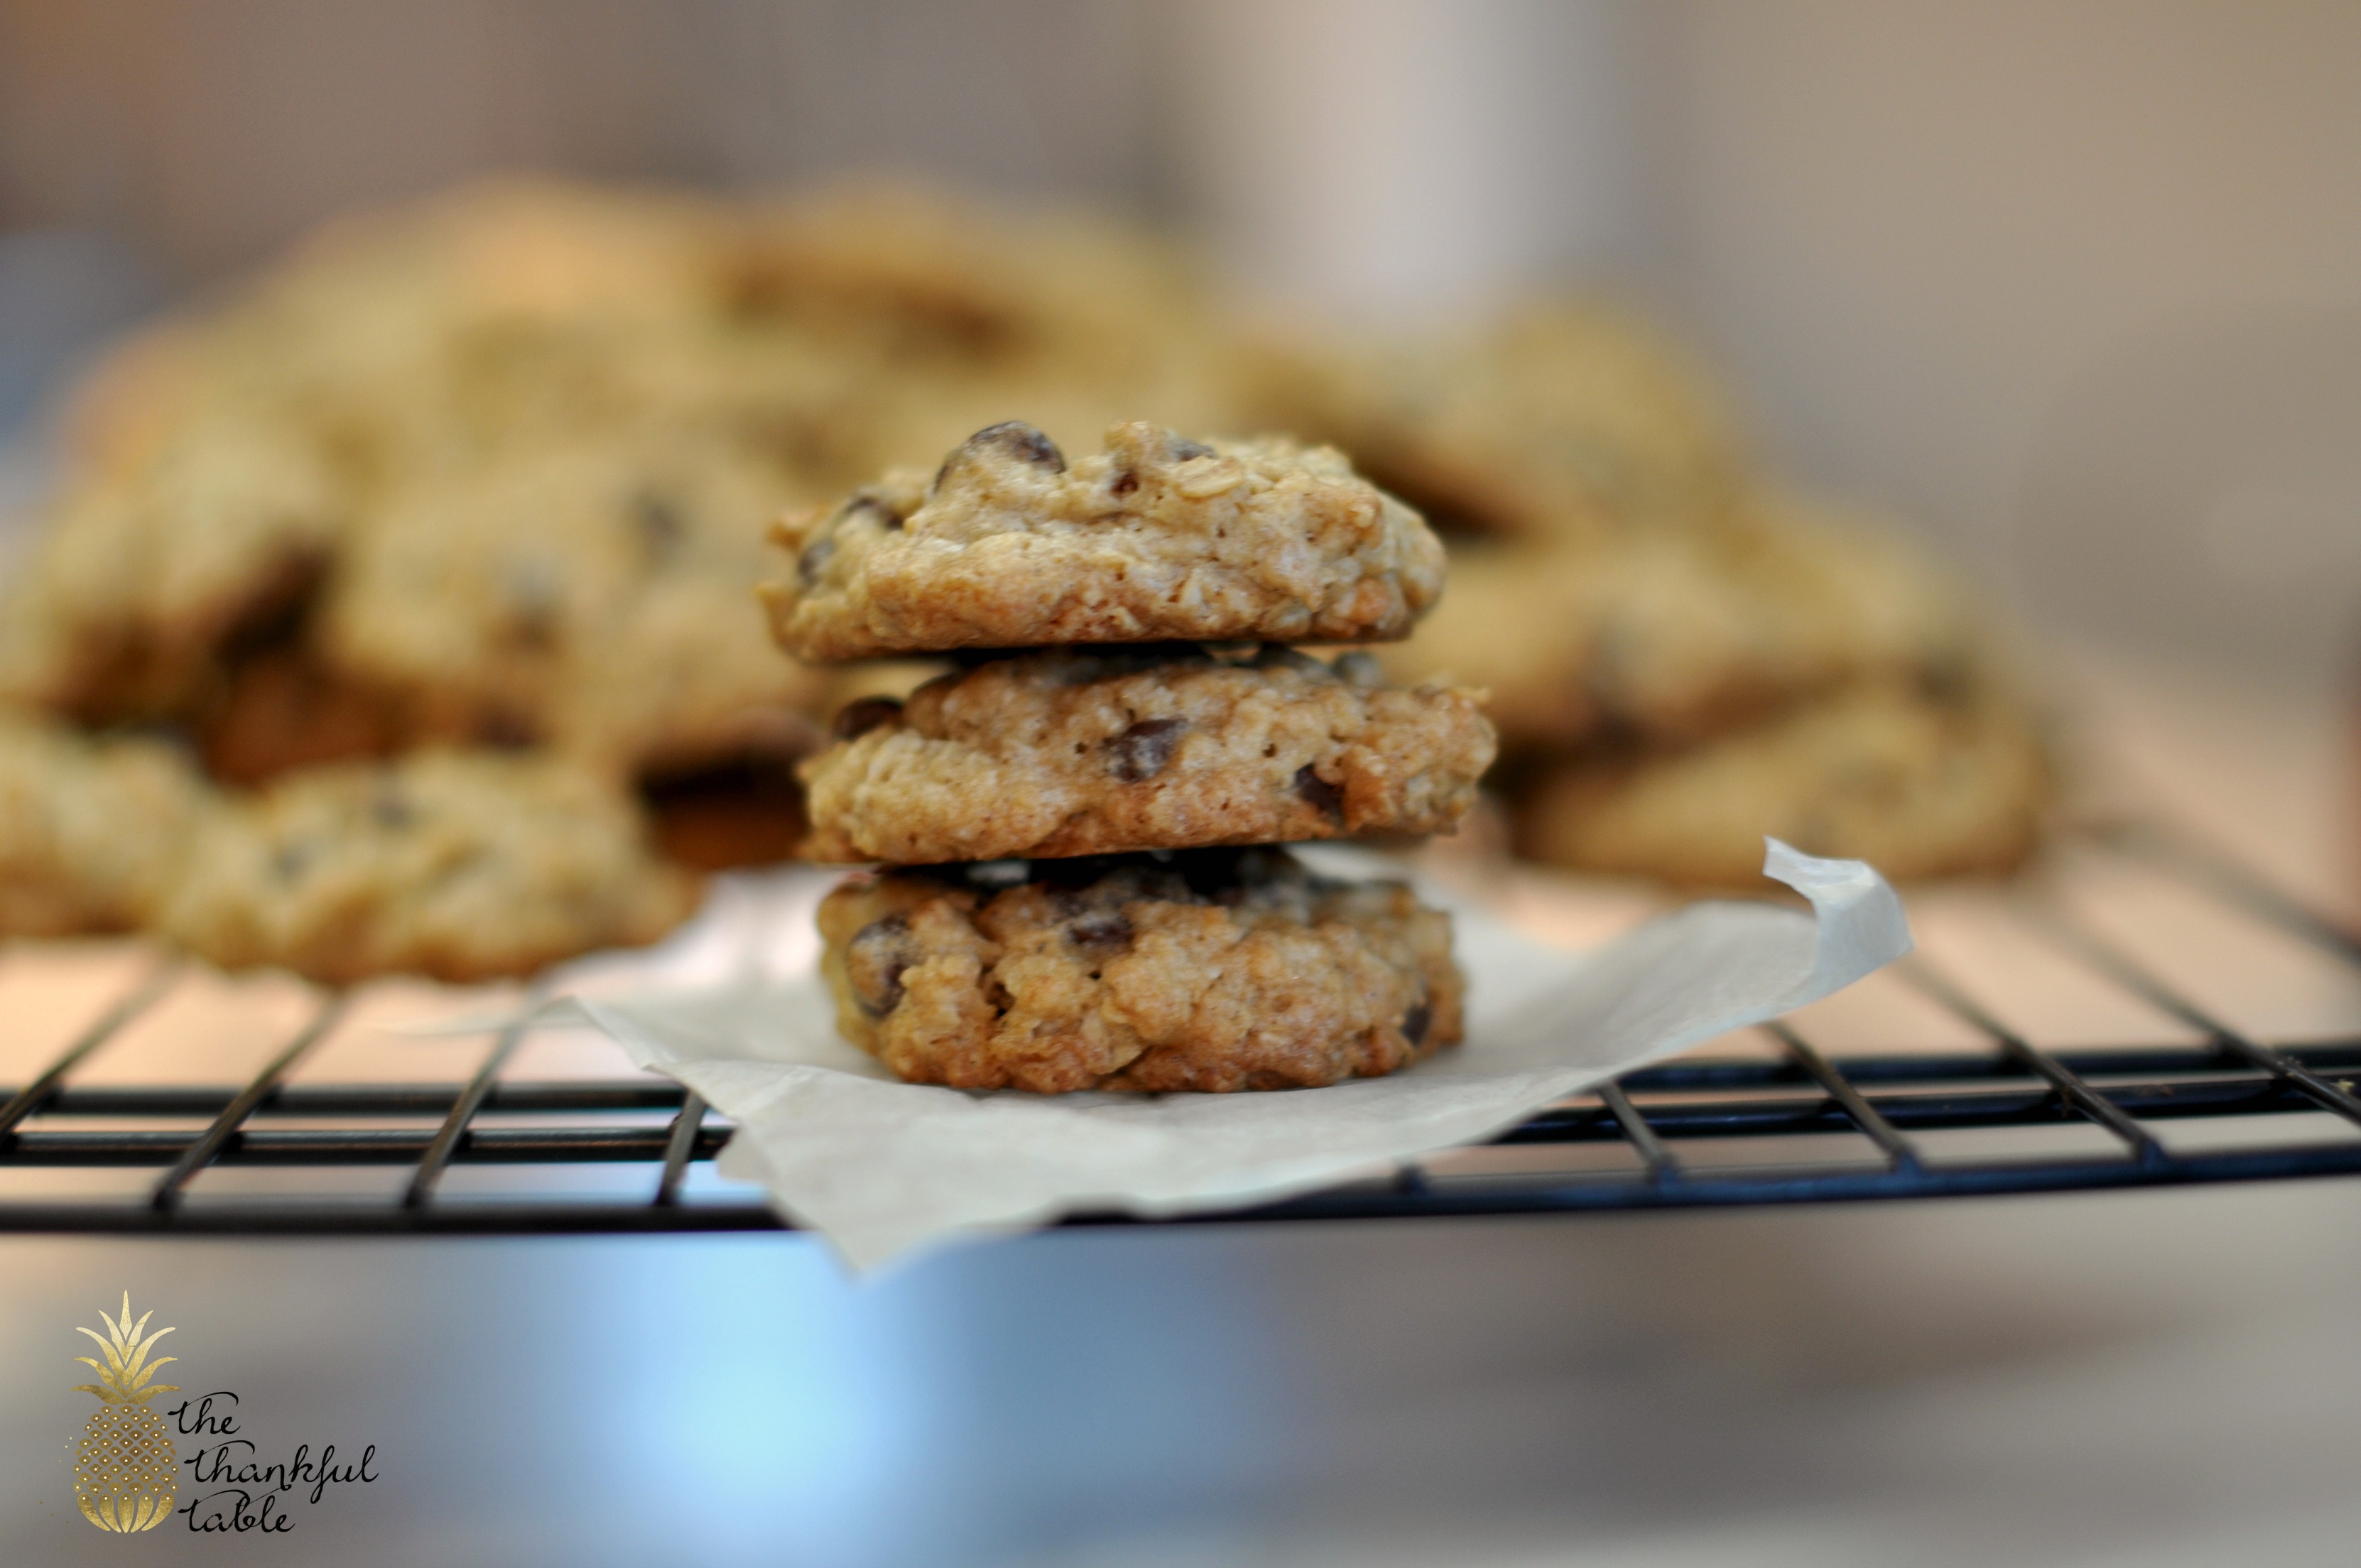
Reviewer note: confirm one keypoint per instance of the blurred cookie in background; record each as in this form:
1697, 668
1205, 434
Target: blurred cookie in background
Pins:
954, 295
1679, 656
1918, 781
492, 470
593, 598
277, 706
1557, 420
92, 831
151, 566
459, 866
220, 465
1675, 634
216, 465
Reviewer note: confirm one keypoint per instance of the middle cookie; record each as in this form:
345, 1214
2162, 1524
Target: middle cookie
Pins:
1102, 752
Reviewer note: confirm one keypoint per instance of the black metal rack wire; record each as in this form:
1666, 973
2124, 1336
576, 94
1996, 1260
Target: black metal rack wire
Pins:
1650, 1126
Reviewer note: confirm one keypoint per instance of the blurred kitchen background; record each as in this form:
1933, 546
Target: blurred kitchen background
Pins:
2048, 277
2074, 285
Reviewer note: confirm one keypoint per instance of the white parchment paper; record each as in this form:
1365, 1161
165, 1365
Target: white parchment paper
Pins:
880, 1167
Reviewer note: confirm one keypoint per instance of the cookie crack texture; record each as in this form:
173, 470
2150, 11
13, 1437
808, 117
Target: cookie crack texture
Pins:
1153, 539
1079, 752
1210, 970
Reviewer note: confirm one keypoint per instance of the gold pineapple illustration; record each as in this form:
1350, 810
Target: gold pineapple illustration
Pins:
126, 1475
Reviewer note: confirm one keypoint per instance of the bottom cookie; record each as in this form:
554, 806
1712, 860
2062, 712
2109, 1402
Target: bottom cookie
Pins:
1209, 969
1918, 786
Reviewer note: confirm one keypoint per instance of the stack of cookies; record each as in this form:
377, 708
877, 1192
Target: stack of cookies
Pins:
1078, 819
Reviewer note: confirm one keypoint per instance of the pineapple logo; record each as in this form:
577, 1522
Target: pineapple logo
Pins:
125, 1474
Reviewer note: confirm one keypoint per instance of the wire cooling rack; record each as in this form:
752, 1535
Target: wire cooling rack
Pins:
1788, 1121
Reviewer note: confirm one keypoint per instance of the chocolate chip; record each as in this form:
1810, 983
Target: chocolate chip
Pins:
814, 560
875, 960
1125, 484
859, 718
1141, 753
1107, 932
1417, 1021
1318, 792
1012, 438
659, 523
1183, 449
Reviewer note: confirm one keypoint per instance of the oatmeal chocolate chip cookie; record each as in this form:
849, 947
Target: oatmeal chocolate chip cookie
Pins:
1675, 635
1157, 538
216, 463
1208, 971
222, 466
279, 708
144, 572
591, 598
1087, 753
1558, 421
1916, 783
92, 831
905, 274
455, 865
964, 313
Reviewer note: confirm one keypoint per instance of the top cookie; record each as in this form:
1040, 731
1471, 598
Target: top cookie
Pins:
1156, 539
